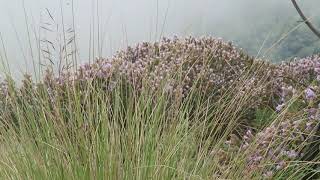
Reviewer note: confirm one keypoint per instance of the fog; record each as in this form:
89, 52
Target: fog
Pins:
104, 26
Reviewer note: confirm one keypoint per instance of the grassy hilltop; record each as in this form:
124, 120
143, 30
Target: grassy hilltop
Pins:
175, 109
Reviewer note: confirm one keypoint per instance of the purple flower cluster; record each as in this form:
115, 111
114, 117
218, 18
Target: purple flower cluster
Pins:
273, 146
303, 70
176, 64
281, 143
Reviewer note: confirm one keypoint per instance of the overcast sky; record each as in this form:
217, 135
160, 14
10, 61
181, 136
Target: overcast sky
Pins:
117, 23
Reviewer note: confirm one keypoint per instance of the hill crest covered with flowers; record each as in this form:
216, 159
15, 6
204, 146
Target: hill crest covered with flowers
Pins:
210, 68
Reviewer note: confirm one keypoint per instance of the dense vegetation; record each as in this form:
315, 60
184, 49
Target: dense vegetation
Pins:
176, 109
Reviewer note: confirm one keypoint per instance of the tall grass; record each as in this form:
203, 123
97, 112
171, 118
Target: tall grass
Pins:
87, 130
124, 133
120, 134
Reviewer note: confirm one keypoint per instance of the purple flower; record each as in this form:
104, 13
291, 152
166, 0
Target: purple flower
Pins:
310, 95
311, 112
100, 74
268, 174
292, 154
281, 165
317, 70
107, 65
279, 107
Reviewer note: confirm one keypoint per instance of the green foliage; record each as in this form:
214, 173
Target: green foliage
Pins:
263, 117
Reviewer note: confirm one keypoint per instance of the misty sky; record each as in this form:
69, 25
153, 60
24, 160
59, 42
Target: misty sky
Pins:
113, 24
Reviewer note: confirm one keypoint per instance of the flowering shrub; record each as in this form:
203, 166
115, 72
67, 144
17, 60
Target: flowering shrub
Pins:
211, 67
179, 63
291, 137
